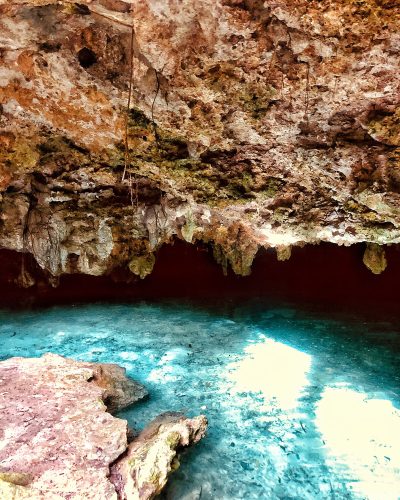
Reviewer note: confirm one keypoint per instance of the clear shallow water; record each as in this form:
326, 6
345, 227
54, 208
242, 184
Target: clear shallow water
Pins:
300, 406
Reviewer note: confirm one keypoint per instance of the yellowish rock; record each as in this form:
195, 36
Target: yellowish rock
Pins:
375, 258
142, 265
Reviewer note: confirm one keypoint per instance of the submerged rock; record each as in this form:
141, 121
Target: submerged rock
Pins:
58, 441
144, 470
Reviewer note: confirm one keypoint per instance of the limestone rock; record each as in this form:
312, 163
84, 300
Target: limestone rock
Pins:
375, 258
57, 439
283, 253
119, 390
142, 265
12, 491
153, 455
250, 124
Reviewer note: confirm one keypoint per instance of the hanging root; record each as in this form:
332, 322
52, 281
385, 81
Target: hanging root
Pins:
307, 96
153, 104
128, 107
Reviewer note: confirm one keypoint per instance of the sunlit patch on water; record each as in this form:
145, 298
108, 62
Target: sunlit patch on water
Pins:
362, 436
275, 370
300, 406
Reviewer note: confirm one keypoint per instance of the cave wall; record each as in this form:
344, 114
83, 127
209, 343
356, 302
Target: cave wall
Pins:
236, 124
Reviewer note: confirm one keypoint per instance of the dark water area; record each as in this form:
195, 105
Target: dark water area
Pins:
302, 404
321, 276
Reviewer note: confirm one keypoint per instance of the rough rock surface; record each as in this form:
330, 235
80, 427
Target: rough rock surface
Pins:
150, 458
55, 429
57, 440
250, 124
119, 391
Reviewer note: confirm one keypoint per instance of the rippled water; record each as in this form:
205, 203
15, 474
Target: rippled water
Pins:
300, 406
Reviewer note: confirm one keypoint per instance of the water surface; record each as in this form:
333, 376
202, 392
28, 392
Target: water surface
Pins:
300, 405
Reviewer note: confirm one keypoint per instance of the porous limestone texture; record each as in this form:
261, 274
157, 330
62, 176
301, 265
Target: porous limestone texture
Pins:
55, 430
238, 123
57, 440
152, 456
118, 390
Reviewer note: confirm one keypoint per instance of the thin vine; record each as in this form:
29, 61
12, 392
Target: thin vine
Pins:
153, 104
307, 96
128, 106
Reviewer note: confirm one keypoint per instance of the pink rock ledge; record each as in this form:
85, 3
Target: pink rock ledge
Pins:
58, 440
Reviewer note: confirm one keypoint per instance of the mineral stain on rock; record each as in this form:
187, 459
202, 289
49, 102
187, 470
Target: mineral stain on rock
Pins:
250, 125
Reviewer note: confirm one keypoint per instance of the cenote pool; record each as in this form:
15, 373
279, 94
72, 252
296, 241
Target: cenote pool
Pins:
300, 405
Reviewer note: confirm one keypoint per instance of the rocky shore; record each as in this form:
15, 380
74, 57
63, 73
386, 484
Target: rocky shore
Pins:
58, 439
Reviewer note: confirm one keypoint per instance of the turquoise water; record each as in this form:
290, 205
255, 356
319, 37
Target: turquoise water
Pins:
300, 405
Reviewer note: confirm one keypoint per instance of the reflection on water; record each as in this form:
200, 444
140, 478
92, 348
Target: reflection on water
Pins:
361, 436
276, 370
364, 435
300, 406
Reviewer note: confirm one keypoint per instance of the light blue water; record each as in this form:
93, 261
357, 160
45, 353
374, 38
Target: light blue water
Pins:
300, 406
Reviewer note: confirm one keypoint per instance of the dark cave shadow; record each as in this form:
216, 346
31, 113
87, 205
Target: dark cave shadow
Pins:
317, 277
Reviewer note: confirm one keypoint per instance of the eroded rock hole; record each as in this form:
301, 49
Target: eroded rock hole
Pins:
82, 9
86, 57
50, 47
